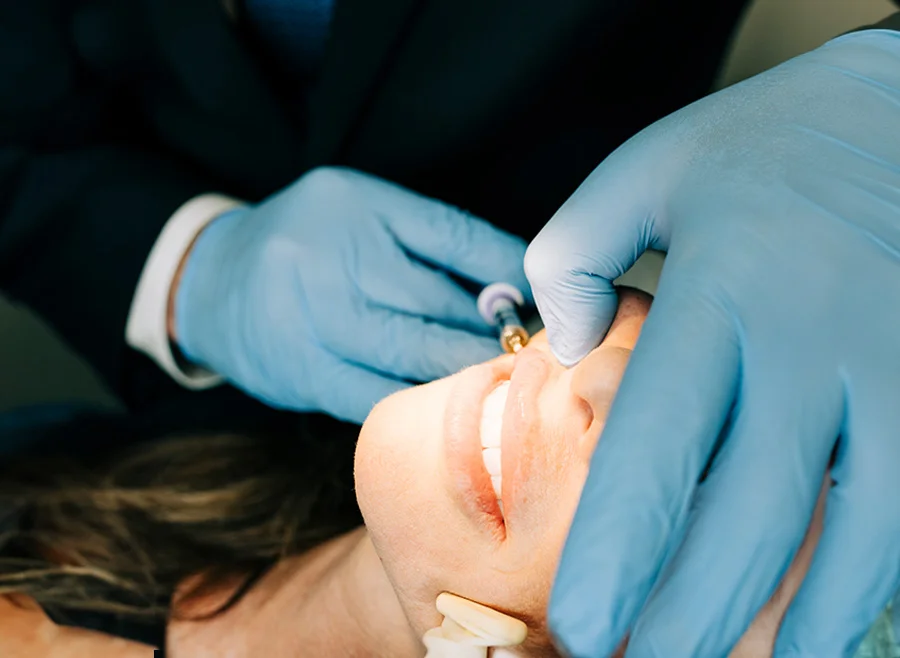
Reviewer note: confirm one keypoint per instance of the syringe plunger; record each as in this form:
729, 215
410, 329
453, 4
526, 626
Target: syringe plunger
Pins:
497, 305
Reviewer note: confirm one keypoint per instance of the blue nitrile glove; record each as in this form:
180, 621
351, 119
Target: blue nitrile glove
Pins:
319, 298
775, 330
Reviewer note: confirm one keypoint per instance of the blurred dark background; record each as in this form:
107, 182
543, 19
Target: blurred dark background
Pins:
37, 367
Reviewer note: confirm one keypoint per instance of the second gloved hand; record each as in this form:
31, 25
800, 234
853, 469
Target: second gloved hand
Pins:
323, 297
771, 353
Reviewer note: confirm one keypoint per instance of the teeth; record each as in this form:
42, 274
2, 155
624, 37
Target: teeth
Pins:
492, 416
490, 431
491, 424
491, 458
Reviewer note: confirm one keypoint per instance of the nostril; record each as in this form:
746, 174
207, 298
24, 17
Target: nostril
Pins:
590, 427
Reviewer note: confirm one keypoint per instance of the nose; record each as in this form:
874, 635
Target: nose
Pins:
595, 381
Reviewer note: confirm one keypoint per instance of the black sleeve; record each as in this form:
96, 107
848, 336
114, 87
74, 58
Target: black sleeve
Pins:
892, 22
111, 116
76, 229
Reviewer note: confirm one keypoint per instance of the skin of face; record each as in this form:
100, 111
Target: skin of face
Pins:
430, 521
372, 591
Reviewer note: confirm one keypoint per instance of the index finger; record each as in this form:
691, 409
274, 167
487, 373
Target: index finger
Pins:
453, 239
674, 400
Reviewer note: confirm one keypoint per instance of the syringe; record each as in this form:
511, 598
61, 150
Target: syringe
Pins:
497, 305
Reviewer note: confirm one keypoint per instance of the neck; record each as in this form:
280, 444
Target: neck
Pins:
333, 601
356, 601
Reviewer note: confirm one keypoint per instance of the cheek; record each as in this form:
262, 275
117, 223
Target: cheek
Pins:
596, 379
374, 457
387, 474
535, 547
390, 460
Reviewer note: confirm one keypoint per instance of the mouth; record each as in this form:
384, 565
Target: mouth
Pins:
488, 422
490, 431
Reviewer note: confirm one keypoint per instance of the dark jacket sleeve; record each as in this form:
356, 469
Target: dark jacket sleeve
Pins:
111, 116
76, 228
892, 22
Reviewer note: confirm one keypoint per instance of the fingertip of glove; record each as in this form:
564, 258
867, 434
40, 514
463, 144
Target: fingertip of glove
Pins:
566, 353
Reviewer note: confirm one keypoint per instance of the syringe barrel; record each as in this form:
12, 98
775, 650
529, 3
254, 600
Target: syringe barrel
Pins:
505, 313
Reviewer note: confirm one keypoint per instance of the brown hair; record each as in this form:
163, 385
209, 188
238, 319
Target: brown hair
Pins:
119, 536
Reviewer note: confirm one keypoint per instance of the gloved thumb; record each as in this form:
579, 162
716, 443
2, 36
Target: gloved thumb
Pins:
595, 237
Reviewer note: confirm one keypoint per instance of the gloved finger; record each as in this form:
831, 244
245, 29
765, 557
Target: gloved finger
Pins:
749, 516
413, 288
592, 239
454, 239
348, 391
669, 410
411, 347
856, 567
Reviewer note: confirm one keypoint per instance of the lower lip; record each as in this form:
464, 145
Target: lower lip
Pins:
470, 483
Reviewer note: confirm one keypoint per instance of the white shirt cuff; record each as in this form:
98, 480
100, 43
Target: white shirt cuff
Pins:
147, 327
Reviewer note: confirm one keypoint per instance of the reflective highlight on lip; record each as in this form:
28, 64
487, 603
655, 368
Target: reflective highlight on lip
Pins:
521, 420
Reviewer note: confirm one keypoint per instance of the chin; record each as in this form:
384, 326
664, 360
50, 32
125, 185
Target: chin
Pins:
375, 456
396, 463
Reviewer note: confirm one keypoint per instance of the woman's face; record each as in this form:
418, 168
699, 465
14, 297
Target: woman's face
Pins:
427, 496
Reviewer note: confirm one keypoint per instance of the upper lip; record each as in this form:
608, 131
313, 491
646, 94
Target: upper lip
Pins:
520, 420
470, 481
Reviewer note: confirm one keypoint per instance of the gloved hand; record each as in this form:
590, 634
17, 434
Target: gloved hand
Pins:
775, 331
320, 298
